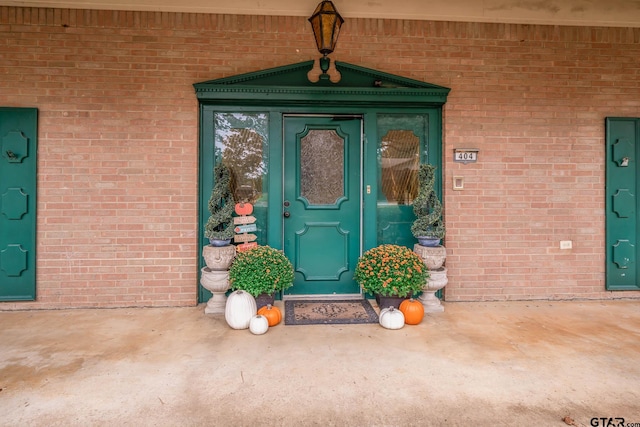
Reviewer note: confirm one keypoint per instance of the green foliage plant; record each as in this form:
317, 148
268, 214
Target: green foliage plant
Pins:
220, 225
391, 270
261, 270
427, 207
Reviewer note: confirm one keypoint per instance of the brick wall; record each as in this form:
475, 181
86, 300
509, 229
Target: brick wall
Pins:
533, 100
118, 142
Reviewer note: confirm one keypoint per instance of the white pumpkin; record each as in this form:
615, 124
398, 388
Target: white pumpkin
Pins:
258, 324
240, 308
391, 318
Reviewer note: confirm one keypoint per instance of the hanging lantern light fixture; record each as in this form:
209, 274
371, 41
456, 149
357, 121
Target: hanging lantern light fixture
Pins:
326, 23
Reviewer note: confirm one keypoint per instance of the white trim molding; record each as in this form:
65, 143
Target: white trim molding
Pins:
609, 13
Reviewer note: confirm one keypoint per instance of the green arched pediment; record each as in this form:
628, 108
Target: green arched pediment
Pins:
291, 84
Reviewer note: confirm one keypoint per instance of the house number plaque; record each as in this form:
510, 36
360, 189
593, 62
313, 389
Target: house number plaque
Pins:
465, 155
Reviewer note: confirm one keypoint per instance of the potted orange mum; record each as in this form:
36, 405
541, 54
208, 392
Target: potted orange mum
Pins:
391, 271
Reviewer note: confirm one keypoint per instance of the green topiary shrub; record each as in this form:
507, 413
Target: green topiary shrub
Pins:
220, 225
427, 207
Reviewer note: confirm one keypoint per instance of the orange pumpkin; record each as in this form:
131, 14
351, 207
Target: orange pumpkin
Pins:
413, 311
273, 314
244, 208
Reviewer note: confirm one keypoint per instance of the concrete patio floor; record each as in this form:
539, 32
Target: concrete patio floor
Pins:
482, 364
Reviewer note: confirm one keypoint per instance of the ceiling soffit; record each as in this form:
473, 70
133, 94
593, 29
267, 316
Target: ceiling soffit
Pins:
615, 13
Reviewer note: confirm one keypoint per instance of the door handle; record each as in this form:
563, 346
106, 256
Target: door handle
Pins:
286, 214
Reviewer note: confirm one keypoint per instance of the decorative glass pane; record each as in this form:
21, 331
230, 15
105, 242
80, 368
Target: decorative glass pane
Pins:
399, 157
322, 167
402, 145
241, 143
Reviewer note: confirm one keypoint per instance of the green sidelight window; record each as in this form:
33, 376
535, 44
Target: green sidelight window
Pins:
401, 147
241, 142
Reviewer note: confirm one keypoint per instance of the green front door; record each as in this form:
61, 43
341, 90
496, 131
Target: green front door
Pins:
18, 145
322, 202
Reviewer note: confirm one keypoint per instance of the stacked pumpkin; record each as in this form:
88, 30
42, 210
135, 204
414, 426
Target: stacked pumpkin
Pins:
410, 312
241, 313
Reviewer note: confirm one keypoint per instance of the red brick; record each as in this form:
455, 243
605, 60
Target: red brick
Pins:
118, 142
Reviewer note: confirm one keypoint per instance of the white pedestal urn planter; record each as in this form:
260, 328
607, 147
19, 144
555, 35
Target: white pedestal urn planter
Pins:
433, 256
215, 276
219, 258
436, 281
216, 282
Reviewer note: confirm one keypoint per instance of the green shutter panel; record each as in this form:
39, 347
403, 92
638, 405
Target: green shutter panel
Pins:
18, 138
622, 145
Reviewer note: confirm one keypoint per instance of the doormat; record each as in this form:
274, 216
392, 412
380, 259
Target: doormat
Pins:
328, 312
